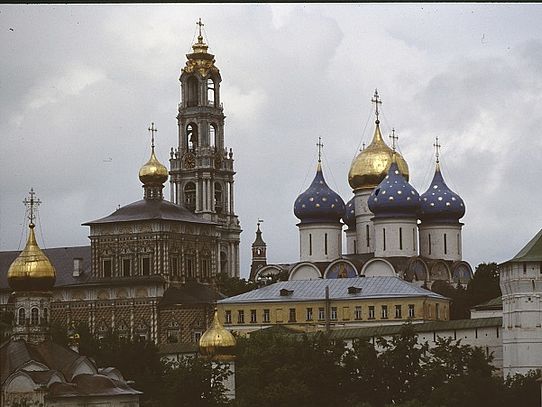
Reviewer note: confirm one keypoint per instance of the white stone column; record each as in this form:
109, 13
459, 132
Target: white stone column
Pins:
365, 233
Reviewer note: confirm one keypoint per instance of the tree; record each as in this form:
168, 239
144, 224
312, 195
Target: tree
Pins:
484, 286
230, 286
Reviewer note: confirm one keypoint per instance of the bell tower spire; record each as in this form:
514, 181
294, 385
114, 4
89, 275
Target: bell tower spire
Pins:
201, 167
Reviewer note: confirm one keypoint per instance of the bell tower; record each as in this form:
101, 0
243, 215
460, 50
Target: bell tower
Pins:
201, 168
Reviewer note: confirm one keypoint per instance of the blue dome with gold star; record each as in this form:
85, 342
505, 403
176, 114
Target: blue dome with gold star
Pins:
349, 217
439, 203
394, 196
319, 203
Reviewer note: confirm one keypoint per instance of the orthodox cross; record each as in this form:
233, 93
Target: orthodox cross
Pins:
200, 24
376, 100
260, 221
152, 130
437, 149
394, 139
32, 204
320, 145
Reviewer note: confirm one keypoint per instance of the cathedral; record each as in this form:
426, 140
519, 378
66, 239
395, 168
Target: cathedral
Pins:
150, 267
392, 230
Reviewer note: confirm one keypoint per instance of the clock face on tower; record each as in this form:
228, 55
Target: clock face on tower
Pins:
189, 160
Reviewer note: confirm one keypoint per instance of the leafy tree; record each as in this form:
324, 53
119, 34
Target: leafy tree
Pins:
230, 286
6, 321
484, 286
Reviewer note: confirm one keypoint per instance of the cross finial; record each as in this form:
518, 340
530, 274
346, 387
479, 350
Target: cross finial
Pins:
394, 139
437, 149
152, 130
362, 146
200, 24
31, 204
376, 100
320, 145
260, 221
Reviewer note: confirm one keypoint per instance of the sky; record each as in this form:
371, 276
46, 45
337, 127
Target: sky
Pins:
80, 85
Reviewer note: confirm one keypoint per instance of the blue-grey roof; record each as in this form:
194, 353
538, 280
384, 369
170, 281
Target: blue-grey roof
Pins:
349, 217
313, 290
440, 203
394, 196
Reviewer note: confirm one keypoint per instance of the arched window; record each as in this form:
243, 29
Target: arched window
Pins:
211, 101
46, 315
212, 135
192, 136
190, 196
21, 316
192, 91
34, 316
219, 201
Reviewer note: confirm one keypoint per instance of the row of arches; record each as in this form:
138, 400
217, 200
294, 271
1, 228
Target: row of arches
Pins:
190, 197
194, 137
34, 318
416, 270
205, 87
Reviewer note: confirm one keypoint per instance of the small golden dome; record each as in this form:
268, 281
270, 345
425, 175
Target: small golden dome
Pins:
371, 165
31, 270
217, 343
153, 172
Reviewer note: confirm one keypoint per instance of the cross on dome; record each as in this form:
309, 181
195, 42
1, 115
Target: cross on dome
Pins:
437, 149
152, 130
32, 204
320, 145
394, 139
200, 25
376, 100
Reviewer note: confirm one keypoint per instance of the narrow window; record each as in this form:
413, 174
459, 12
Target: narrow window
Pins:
219, 203
309, 314
356, 247
400, 238
146, 266
240, 316
34, 316
384, 312
458, 245
384, 237
45, 315
190, 196
212, 135
192, 94
126, 267
227, 317
398, 312
321, 314
476, 333
253, 316
192, 138
413, 239
333, 313
371, 312
266, 314
524, 268
107, 268
429, 243
445, 244
411, 313
211, 92
310, 244
292, 315
21, 316
325, 243
357, 312
367, 235
437, 314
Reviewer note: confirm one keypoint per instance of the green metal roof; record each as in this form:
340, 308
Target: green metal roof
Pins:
494, 303
532, 250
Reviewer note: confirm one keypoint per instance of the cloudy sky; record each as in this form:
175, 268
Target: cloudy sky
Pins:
80, 84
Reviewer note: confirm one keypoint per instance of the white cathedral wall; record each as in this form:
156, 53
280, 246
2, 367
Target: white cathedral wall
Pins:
396, 237
441, 241
320, 241
351, 242
364, 225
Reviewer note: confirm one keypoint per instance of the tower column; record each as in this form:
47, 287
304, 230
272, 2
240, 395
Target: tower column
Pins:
365, 230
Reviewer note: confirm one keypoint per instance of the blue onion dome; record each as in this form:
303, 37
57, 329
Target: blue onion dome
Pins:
394, 196
440, 203
349, 217
319, 203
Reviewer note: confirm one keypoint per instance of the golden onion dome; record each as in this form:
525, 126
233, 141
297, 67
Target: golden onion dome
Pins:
371, 165
31, 270
217, 343
153, 172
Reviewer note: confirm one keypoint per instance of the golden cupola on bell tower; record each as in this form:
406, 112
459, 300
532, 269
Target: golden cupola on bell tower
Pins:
371, 165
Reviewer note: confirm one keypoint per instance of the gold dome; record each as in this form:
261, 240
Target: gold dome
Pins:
372, 164
153, 172
217, 343
31, 270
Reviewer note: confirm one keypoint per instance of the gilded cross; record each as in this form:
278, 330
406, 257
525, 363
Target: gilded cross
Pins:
32, 204
394, 139
152, 130
376, 100
437, 149
200, 24
320, 145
